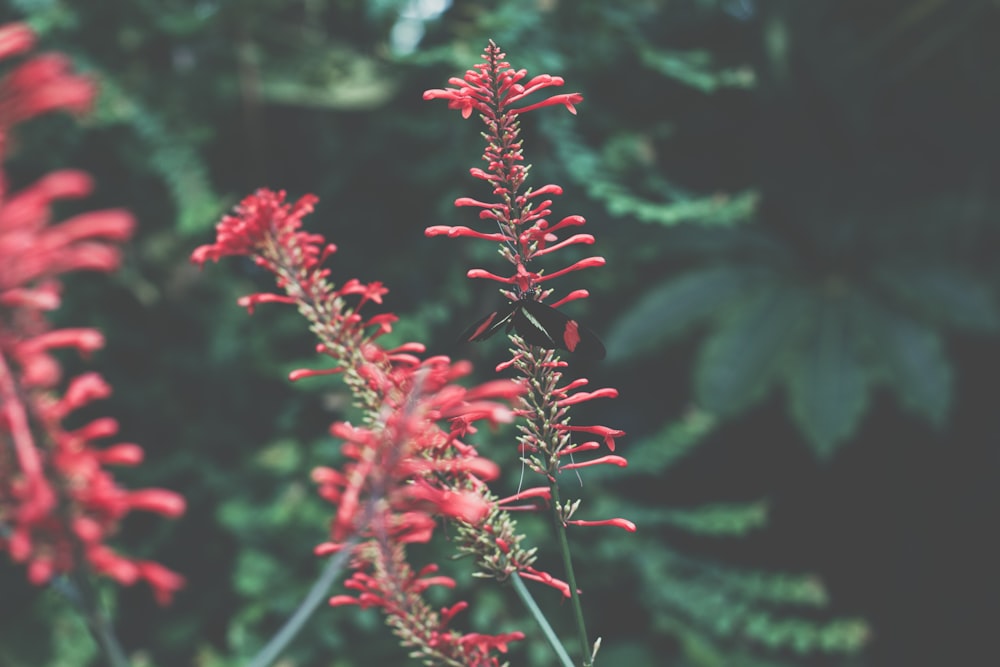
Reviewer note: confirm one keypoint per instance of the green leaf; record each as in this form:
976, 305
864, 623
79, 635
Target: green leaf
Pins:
675, 306
719, 519
774, 611
171, 156
618, 195
329, 76
914, 359
696, 69
828, 385
658, 452
738, 361
256, 573
944, 294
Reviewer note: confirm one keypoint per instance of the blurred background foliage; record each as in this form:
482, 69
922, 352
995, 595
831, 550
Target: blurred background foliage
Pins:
798, 204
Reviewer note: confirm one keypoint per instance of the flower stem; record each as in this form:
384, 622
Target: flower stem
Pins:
78, 591
543, 623
296, 621
567, 557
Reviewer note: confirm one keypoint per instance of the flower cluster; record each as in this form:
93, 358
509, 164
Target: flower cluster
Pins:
406, 463
520, 215
58, 503
495, 89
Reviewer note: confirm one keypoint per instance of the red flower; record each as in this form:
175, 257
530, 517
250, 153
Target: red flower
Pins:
58, 504
406, 465
521, 219
520, 215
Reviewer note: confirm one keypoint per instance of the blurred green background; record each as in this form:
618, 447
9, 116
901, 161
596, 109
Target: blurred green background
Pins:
798, 205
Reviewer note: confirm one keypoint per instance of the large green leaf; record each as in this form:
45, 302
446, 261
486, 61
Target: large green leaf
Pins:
828, 386
676, 305
738, 361
944, 294
913, 356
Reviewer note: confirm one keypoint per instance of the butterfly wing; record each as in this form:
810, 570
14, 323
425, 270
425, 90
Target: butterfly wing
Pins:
545, 326
489, 325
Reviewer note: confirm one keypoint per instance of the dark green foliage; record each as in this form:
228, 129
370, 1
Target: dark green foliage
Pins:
825, 341
797, 202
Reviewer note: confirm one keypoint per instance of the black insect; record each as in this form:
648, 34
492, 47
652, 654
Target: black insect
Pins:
539, 325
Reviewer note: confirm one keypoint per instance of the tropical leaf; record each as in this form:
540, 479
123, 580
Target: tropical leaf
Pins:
914, 360
944, 294
676, 305
739, 360
828, 386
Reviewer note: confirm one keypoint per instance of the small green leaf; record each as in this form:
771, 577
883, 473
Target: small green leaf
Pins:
676, 305
738, 361
828, 386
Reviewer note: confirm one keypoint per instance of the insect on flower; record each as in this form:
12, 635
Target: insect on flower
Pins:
539, 325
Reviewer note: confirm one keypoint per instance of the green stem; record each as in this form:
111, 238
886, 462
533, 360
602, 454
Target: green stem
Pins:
543, 623
567, 557
293, 625
77, 589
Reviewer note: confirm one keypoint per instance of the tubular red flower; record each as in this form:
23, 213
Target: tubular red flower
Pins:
582, 447
15, 38
588, 263
455, 232
604, 460
567, 100
534, 492
161, 501
122, 454
618, 523
583, 396
609, 434
482, 273
547, 579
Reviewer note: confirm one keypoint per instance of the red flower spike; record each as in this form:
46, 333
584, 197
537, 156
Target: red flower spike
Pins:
517, 217
58, 501
406, 467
